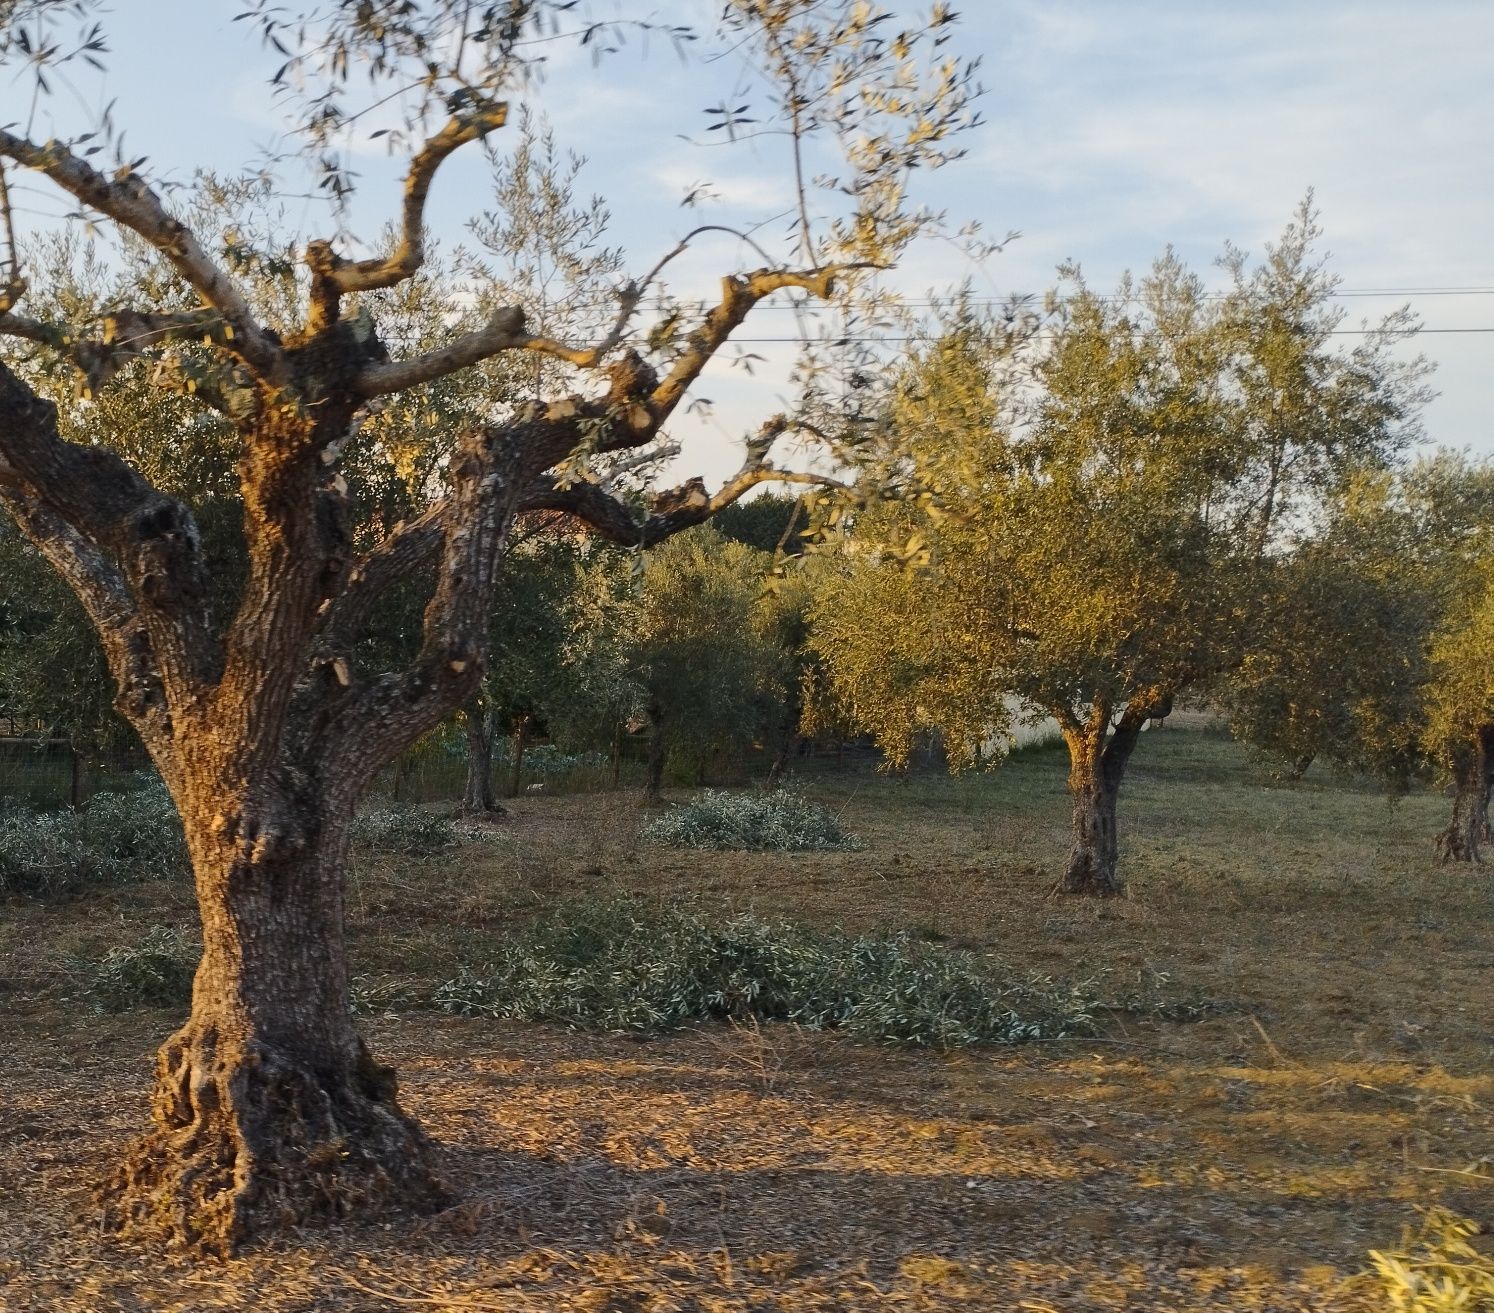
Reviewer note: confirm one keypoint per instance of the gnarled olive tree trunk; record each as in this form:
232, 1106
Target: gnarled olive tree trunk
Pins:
1473, 780
268, 1105
268, 1108
1097, 763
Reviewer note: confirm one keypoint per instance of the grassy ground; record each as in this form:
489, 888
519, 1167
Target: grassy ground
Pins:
1341, 1073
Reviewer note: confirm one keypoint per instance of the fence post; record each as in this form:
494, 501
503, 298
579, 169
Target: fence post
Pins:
76, 785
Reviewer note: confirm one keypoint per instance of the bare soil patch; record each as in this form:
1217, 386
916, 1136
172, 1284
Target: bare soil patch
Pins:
1340, 1071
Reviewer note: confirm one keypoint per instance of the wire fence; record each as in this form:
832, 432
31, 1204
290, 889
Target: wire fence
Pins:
47, 772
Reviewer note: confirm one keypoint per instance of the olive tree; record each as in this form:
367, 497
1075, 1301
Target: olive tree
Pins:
1088, 515
1443, 509
1371, 647
1459, 728
251, 698
527, 677
1338, 662
678, 642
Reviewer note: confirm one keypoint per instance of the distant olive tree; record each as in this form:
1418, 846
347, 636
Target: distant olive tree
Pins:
1338, 664
1087, 518
1460, 712
682, 644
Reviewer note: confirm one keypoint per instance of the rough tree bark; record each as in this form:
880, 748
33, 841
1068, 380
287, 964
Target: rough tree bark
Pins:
478, 798
658, 754
1473, 780
1097, 763
267, 1105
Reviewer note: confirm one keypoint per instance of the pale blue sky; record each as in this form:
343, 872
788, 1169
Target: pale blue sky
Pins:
1113, 128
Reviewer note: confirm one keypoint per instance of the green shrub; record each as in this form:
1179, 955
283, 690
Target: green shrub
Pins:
134, 835
409, 831
156, 972
781, 819
115, 838
624, 965
547, 761
1435, 1270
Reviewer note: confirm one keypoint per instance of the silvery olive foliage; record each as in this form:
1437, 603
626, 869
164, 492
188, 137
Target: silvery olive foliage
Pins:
155, 971
780, 820
113, 839
623, 964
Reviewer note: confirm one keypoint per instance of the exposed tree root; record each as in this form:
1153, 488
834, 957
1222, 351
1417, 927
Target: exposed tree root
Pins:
1086, 877
248, 1140
1457, 843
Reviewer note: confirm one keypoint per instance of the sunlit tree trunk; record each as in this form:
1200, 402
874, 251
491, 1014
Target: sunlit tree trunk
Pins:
1473, 777
1098, 757
267, 1107
267, 1102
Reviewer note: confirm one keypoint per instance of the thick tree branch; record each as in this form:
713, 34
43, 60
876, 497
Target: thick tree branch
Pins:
739, 293
410, 549
503, 332
105, 597
123, 336
342, 278
496, 475
131, 203
105, 502
675, 509
381, 717
632, 294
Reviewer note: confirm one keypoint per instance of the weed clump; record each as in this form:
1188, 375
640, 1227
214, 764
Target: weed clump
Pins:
116, 838
781, 820
409, 831
621, 964
1436, 1269
156, 972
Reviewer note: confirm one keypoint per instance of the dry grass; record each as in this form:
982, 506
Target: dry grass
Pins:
1244, 1161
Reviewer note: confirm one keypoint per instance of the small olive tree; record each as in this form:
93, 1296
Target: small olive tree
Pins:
681, 643
1338, 662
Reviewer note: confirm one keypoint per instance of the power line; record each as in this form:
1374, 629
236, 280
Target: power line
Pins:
926, 303
848, 341
1344, 294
